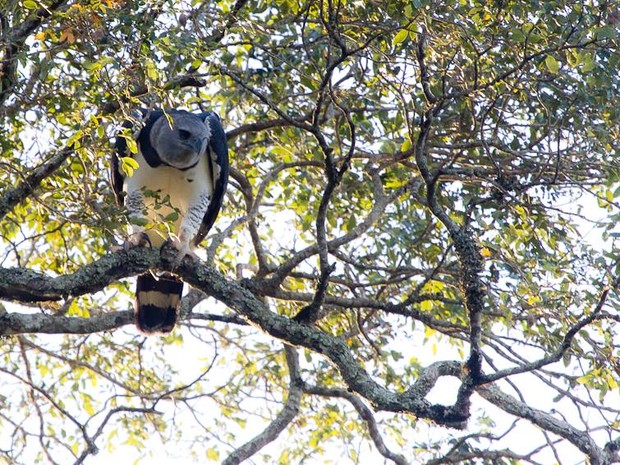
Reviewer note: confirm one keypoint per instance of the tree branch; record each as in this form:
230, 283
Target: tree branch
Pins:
466, 248
282, 420
31, 286
14, 196
365, 413
580, 439
16, 39
20, 323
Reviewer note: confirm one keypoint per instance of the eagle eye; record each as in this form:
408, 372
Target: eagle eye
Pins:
184, 135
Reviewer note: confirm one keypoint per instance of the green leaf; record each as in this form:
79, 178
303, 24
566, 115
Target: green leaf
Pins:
588, 63
172, 216
284, 154
552, 64
30, 4
131, 144
88, 405
426, 305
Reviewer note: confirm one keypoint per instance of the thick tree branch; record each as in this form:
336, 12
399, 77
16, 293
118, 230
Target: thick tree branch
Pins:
31, 286
20, 323
466, 248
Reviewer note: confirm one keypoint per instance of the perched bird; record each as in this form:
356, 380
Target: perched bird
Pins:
174, 195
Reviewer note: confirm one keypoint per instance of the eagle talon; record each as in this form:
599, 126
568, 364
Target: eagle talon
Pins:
139, 239
182, 250
135, 240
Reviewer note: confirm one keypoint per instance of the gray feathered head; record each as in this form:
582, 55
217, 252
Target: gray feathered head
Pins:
180, 139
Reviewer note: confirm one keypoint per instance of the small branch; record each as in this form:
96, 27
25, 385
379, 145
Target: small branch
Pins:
14, 196
18, 37
282, 420
421, 56
380, 203
579, 438
566, 343
310, 313
365, 413
300, 123
257, 126
184, 80
91, 448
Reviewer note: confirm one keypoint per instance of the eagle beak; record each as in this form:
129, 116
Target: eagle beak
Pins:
195, 144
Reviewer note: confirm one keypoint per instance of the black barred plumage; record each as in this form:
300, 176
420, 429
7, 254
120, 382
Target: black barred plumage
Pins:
180, 181
158, 298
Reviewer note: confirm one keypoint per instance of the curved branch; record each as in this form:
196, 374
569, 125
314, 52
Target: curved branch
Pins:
17, 39
580, 439
12, 197
27, 285
365, 413
282, 420
20, 323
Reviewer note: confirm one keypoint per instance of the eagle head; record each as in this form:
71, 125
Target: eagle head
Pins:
180, 139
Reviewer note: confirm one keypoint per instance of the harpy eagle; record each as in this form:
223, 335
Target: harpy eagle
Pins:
180, 182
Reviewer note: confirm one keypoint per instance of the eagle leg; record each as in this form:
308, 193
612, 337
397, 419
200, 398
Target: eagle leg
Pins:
182, 248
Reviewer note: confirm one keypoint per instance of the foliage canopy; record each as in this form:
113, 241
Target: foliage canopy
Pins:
416, 254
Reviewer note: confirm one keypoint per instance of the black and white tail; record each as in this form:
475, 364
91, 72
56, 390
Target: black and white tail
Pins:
157, 302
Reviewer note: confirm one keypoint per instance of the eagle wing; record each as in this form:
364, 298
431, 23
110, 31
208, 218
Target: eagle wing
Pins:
116, 174
219, 169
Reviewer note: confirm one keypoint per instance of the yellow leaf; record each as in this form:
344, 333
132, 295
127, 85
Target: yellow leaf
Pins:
131, 144
88, 405
40, 35
426, 306
583, 380
400, 37
76, 310
213, 454
129, 165
485, 252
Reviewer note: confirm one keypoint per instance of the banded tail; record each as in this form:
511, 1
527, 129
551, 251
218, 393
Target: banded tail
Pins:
157, 301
